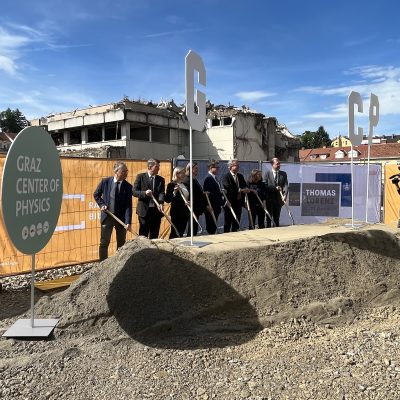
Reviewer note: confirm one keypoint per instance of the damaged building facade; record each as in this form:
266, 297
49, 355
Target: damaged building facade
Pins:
141, 130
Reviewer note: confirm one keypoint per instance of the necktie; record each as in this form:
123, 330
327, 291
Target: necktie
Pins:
276, 178
236, 180
152, 183
113, 196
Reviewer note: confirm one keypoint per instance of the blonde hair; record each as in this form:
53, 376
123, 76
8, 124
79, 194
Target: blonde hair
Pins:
175, 172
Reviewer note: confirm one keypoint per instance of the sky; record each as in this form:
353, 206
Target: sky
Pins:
294, 60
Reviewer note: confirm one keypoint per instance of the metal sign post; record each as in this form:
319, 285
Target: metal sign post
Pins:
31, 196
196, 115
373, 121
355, 139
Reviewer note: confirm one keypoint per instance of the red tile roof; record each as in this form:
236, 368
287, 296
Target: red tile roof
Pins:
378, 151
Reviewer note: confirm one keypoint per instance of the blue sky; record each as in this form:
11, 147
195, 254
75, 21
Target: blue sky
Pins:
296, 60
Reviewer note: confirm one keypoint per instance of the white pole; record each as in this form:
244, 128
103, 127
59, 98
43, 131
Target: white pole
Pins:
191, 185
352, 188
366, 204
33, 291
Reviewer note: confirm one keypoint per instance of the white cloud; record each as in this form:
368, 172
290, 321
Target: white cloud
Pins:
253, 96
16, 40
383, 81
7, 64
38, 103
169, 33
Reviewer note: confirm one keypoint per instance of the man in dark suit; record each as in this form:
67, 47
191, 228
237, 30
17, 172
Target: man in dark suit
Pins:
115, 195
235, 188
197, 200
213, 189
146, 185
276, 183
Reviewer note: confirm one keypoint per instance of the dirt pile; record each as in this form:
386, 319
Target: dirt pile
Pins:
316, 318
160, 290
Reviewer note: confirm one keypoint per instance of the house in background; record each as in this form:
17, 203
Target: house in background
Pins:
5, 141
380, 153
141, 130
341, 141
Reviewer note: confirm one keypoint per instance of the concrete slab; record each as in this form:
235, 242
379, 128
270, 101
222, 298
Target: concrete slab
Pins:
257, 237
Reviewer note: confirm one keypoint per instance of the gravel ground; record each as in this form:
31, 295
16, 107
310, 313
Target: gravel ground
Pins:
126, 332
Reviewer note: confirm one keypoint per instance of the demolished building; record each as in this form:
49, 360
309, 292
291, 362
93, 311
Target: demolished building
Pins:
141, 130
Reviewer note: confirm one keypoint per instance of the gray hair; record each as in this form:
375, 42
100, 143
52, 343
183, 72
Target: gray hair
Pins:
118, 165
152, 161
233, 161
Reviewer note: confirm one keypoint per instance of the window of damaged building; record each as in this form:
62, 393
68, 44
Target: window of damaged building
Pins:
112, 131
58, 138
75, 137
95, 134
140, 132
215, 122
160, 135
227, 121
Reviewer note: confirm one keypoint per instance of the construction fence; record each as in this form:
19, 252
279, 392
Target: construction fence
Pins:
77, 235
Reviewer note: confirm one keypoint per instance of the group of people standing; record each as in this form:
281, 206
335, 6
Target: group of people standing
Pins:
231, 193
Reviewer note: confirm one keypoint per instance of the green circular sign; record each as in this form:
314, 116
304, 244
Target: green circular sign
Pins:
31, 191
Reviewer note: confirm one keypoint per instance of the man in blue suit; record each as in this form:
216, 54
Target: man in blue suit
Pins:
115, 195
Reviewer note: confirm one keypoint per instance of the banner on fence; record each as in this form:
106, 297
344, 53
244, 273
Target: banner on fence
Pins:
77, 234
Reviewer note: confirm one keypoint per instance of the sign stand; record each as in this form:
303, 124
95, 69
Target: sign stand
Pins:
355, 139
32, 328
31, 196
193, 62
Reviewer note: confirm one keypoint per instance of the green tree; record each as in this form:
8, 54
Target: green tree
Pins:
314, 140
12, 121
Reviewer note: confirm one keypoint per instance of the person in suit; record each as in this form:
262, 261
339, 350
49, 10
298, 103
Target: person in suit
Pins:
235, 187
256, 186
114, 194
198, 200
179, 212
213, 189
146, 185
276, 183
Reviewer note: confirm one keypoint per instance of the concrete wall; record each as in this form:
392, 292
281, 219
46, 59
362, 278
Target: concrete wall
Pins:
213, 143
248, 139
141, 150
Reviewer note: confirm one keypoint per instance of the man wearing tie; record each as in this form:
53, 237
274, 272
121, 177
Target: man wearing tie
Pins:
235, 188
114, 194
276, 182
147, 185
212, 187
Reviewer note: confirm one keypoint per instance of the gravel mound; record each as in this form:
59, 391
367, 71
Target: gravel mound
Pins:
314, 318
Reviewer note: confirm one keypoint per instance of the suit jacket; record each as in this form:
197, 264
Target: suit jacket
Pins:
178, 206
143, 183
260, 188
216, 199
199, 199
123, 200
272, 193
232, 190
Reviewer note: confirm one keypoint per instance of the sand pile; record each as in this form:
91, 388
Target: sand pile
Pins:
156, 291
